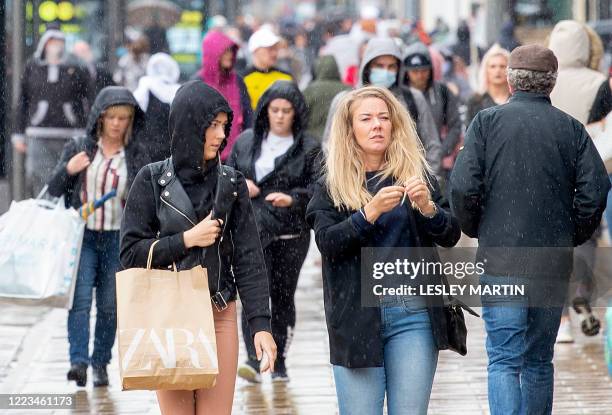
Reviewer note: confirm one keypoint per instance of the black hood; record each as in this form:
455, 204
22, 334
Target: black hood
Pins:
287, 90
108, 97
194, 108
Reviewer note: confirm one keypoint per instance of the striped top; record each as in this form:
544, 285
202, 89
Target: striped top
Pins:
104, 175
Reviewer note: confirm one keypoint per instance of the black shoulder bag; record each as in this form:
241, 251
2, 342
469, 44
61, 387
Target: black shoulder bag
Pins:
456, 330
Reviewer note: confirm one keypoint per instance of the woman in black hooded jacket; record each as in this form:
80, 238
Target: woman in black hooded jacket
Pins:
95, 167
279, 160
189, 202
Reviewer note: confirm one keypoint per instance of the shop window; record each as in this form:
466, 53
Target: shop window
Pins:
540, 12
175, 27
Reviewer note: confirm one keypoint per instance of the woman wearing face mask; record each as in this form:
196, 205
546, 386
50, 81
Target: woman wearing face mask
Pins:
218, 61
378, 192
172, 202
494, 89
104, 161
279, 161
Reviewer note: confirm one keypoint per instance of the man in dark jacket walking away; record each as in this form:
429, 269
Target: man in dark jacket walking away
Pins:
530, 185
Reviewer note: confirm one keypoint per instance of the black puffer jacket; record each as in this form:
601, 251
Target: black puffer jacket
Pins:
63, 184
294, 172
161, 205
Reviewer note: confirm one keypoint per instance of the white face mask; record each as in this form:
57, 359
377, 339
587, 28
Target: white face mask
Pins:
54, 52
382, 77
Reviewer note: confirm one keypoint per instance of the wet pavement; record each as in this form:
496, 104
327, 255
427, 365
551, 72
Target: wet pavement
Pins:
34, 359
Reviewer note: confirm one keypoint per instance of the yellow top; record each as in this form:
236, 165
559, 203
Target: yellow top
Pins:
257, 82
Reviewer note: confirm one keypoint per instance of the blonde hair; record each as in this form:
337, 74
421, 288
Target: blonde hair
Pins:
345, 169
122, 107
495, 50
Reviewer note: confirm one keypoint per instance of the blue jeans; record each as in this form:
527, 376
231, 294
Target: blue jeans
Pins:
410, 359
520, 345
97, 268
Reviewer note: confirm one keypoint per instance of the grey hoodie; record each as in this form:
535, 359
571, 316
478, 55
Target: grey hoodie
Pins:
426, 127
42, 43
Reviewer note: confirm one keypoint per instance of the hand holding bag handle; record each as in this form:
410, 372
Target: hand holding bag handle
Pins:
150, 257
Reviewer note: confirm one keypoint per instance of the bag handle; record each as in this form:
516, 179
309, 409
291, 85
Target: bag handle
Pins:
54, 203
43, 192
150, 257
455, 302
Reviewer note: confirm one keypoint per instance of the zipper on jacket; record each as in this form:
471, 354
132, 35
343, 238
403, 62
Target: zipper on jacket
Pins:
220, 240
233, 252
178, 211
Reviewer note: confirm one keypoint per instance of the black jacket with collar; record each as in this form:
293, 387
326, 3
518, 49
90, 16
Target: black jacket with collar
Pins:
355, 331
63, 184
294, 172
159, 208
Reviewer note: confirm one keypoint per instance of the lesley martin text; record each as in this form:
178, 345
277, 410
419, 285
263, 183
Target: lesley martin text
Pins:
405, 268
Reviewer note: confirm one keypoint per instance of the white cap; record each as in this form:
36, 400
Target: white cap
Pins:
217, 22
263, 38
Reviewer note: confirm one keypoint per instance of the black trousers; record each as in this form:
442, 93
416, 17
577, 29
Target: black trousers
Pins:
284, 259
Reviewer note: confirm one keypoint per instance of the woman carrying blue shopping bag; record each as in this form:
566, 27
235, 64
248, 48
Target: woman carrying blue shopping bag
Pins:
94, 175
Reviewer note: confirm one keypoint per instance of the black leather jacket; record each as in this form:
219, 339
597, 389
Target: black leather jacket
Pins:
159, 208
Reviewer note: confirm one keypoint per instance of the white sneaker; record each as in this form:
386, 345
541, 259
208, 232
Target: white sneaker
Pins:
565, 331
